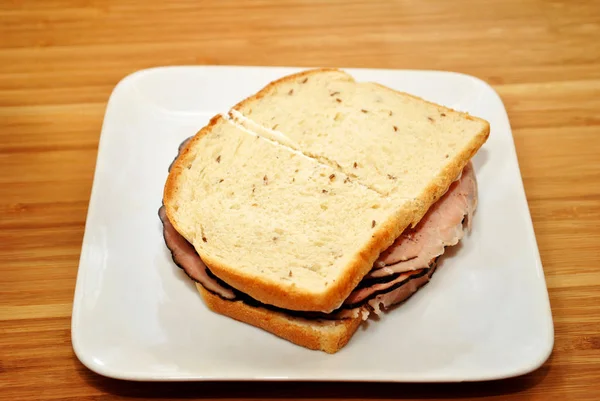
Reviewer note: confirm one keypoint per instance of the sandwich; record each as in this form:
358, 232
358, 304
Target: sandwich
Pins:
319, 201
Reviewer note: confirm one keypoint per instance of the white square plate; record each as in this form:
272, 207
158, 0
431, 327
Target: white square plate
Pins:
484, 315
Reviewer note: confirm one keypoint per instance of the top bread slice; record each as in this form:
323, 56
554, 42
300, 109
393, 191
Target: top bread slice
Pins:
272, 222
293, 195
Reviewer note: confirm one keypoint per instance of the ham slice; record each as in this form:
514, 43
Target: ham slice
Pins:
393, 297
185, 256
410, 261
353, 313
443, 225
359, 295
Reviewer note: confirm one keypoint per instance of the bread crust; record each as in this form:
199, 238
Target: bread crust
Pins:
286, 296
323, 335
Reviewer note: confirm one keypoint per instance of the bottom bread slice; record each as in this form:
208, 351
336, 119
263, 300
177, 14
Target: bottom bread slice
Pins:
317, 334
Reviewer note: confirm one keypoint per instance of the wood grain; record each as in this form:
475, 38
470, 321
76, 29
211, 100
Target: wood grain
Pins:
59, 61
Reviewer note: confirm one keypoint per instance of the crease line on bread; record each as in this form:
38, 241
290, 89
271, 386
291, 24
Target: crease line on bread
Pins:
323, 161
279, 138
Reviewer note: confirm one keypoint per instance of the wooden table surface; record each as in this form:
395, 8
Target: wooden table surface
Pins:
59, 61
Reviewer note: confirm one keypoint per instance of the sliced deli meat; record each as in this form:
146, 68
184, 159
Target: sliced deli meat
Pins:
359, 295
185, 256
443, 225
397, 295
